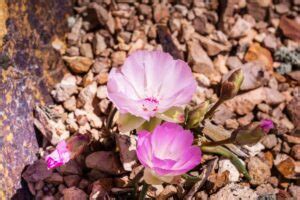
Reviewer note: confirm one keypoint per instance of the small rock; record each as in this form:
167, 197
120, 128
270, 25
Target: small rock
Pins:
87, 94
86, 50
83, 184
200, 24
98, 11
258, 170
102, 92
266, 190
285, 165
72, 180
226, 165
270, 42
105, 161
217, 181
269, 141
282, 8
55, 179
231, 124
74, 36
235, 192
254, 75
245, 103
255, 10
295, 191
212, 48
233, 62
161, 12
246, 120
59, 45
37, 172
70, 168
259, 53
240, 28
102, 78
168, 192
290, 28
73, 51
296, 151
145, 10
74, 193
70, 104
99, 44
78, 64
293, 109
198, 56
65, 88
127, 147
201, 63
101, 188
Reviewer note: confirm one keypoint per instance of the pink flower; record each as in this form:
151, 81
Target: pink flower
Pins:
150, 82
167, 152
266, 125
59, 156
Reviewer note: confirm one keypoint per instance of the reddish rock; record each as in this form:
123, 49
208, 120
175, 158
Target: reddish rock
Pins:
74, 193
290, 28
105, 161
293, 109
37, 171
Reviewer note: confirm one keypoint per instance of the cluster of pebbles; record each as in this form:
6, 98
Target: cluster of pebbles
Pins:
260, 36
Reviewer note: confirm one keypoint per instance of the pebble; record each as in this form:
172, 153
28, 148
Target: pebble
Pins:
258, 170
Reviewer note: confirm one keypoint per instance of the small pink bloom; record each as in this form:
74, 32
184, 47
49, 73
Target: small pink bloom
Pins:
150, 82
59, 156
266, 125
168, 151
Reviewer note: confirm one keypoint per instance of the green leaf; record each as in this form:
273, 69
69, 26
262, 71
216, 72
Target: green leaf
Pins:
127, 122
174, 114
150, 125
228, 154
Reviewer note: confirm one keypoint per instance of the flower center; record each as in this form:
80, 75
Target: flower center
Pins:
150, 104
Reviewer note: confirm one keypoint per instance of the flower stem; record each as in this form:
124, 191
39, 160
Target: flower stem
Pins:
111, 117
144, 191
213, 109
226, 153
220, 142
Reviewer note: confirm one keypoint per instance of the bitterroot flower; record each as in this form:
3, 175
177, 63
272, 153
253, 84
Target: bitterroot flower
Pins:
67, 150
150, 82
167, 153
267, 125
59, 156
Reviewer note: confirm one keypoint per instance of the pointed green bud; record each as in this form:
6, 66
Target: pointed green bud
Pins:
197, 115
231, 85
253, 133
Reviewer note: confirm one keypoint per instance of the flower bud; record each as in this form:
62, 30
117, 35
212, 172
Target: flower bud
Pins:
196, 116
231, 85
252, 134
67, 150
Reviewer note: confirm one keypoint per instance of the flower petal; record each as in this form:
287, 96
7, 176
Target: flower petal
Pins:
144, 148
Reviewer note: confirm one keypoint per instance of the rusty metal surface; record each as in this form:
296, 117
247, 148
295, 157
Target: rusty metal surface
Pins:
28, 67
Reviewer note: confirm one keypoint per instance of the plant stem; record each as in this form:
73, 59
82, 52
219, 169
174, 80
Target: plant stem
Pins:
111, 117
212, 110
226, 153
144, 191
220, 142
